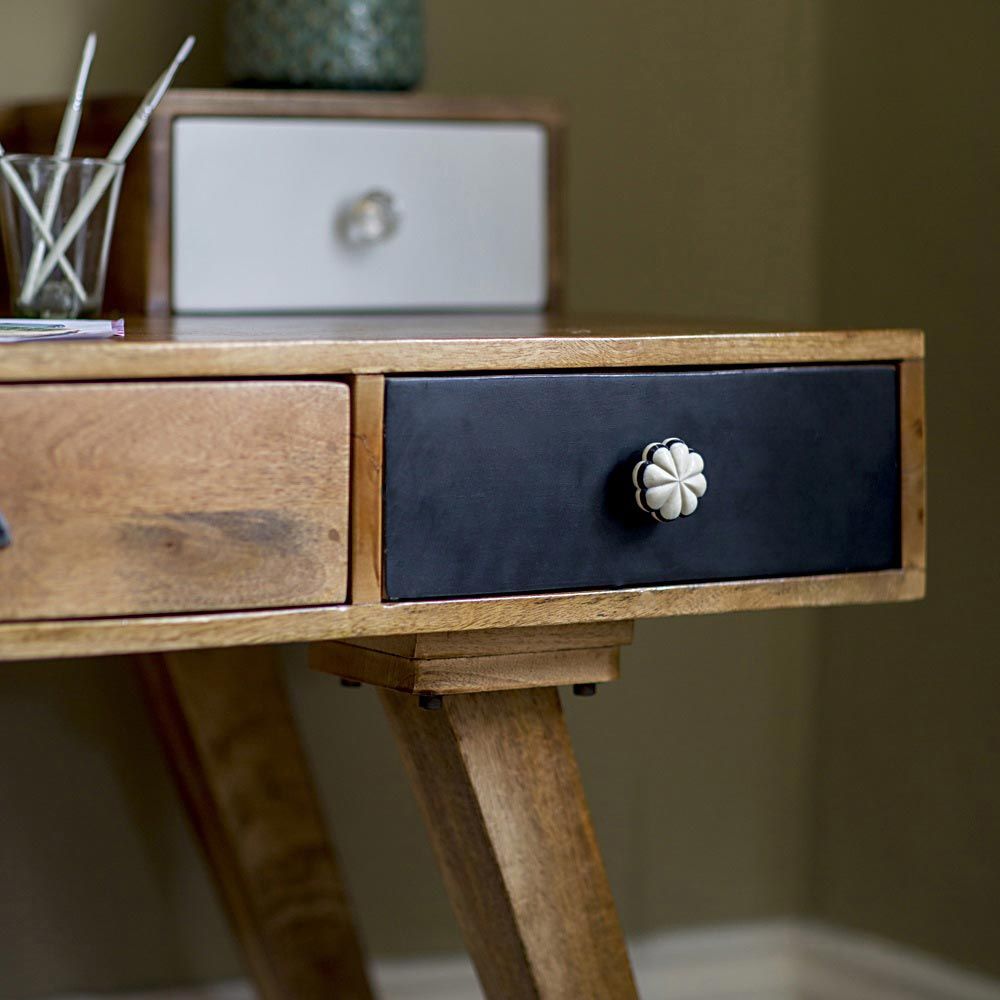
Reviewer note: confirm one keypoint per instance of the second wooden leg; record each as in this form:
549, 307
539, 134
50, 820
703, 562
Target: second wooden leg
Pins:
501, 794
231, 740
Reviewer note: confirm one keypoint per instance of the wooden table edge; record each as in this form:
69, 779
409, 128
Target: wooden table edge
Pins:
250, 358
33, 640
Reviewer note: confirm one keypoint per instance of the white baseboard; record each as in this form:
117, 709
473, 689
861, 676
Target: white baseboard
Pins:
795, 960
838, 963
787, 960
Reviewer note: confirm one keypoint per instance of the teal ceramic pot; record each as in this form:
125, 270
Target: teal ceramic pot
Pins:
342, 44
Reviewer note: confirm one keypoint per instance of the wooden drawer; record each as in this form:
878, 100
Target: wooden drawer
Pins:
134, 498
259, 211
521, 483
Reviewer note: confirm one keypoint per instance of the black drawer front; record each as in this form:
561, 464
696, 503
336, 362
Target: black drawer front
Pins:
522, 483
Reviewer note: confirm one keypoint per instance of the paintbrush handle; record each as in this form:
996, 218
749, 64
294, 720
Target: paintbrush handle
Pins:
124, 145
64, 149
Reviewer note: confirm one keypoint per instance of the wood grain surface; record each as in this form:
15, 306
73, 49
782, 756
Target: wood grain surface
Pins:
36, 123
160, 497
913, 464
501, 795
465, 674
367, 404
231, 741
479, 660
267, 346
40, 640
496, 641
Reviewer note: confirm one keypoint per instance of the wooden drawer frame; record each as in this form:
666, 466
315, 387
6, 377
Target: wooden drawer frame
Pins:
367, 586
165, 350
512, 483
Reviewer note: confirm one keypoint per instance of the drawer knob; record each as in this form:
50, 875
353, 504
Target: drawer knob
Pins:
6, 538
669, 479
373, 218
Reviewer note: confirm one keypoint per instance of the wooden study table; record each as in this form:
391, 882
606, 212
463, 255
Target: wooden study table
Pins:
443, 507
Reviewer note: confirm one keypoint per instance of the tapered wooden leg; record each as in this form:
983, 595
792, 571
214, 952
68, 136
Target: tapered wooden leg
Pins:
231, 740
500, 791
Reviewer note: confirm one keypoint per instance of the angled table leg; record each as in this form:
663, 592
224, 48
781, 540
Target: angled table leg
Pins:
231, 739
480, 726
501, 794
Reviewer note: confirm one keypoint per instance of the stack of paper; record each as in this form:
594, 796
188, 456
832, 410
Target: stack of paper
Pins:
13, 331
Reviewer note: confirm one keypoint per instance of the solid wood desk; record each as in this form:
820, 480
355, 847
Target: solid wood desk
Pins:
465, 511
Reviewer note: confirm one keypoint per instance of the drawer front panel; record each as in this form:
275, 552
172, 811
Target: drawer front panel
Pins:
522, 483
258, 206
125, 499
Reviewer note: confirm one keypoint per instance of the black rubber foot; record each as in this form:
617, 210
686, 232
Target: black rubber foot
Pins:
585, 690
347, 683
431, 702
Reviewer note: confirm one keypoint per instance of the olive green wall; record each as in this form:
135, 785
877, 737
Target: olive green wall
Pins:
726, 158
908, 819
40, 44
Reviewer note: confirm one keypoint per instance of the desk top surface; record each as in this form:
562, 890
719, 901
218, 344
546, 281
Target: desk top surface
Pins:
248, 346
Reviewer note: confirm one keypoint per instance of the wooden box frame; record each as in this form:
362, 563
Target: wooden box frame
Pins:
140, 265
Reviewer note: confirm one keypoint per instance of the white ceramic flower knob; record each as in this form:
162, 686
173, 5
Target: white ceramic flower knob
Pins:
669, 479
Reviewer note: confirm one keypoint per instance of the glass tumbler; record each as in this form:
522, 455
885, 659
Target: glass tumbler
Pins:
46, 190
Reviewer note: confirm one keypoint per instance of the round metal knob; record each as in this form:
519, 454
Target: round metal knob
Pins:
373, 218
669, 479
6, 538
